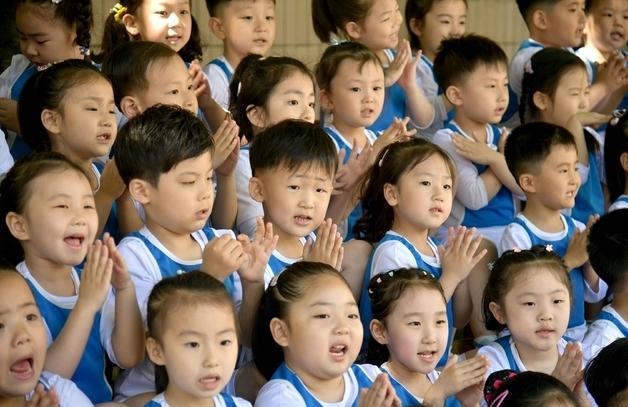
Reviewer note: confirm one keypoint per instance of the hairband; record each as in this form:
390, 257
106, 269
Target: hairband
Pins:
389, 274
119, 11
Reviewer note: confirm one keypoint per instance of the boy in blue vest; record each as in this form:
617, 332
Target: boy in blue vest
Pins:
544, 161
244, 27
608, 254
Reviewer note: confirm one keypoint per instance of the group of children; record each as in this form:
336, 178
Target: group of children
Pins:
253, 231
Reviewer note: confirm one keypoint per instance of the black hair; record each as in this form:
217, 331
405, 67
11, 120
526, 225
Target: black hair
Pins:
126, 66
384, 290
115, 33
183, 290
529, 144
164, 135
528, 7
459, 57
293, 144
330, 16
335, 54
392, 162
46, 90
508, 267
417, 10
606, 376
286, 288
616, 144
254, 80
608, 247
213, 5
75, 14
527, 389
15, 192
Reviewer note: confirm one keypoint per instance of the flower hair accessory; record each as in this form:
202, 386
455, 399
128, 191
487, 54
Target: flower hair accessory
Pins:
549, 248
528, 67
118, 12
495, 382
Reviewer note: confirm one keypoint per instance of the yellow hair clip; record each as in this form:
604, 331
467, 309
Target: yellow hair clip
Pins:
118, 12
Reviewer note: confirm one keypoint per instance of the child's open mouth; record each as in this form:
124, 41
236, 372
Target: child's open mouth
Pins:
302, 220
23, 369
74, 241
209, 382
104, 138
338, 352
427, 356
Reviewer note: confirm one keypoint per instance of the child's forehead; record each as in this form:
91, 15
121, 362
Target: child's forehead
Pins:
303, 170
231, 6
157, 66
14, 292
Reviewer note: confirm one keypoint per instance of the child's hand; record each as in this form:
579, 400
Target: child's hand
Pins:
111, 183
349, 174
200, 84
461, 379
381, 394
95, 278
258, 252
577, 254
222, 256
328, 246
461, 253
398, 131
475, 151
590, 118
120, 278
8, 114
43, 398
407, 80
569, 366
613, 74
226, 147
396, 67
502, 139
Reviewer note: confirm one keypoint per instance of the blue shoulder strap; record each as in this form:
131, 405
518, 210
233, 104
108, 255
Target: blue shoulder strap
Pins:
229, 401
285, 373
607, 316
17, 87
339, 141
504, 342
223, 67
152, 404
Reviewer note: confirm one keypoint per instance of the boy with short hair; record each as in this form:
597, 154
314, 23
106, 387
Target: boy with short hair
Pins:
294, 164
608, 254
172, 182
244, 27
544, 161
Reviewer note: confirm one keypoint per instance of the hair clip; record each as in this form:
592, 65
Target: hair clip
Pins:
85, 51
379, 280
617, 114
381, 160
491, 265
549, 248
528, 67
273, 281
56, 1
119, 11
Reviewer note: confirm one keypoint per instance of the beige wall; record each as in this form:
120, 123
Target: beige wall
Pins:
497, 19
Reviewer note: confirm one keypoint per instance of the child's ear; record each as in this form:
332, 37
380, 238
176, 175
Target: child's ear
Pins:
378, 331
154, 351
539, 19
216, 27
256, 189
51, 120
415, 26
17, 226
353, 30
279, 330
454, 95
540, 100
390, 194
497, 312
140, 191
326, 102
130, 23
130, 107
256, 116
623, 159
527, 183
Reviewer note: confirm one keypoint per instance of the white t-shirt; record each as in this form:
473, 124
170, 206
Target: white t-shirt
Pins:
620, 203
219, 401
392, 255
69, 395
602, 333
248, 208
219, 82
6, 159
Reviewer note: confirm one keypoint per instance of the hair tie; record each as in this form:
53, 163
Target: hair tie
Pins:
85, 51
118, 12
499, 399
528, 67
495, 382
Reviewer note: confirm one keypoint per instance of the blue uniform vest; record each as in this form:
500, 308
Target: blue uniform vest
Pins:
408, 399
607, 316
504, 342
590, 197
223, 67
229, 401
394, 103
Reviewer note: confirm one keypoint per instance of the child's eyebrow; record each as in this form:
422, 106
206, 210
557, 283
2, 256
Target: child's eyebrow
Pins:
329, 304
25, 305
418, 314
32, 34
64, 195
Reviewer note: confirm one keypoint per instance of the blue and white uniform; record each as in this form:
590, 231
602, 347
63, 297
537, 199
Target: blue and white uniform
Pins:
89, 375
394, 251
220, 400
620, 203
590, 196
427, 82
248, 208
149, 262
523, 234
285, 388
474, 208
277, 262
6, 159
607, 327
220, 72
409, 399
68, 393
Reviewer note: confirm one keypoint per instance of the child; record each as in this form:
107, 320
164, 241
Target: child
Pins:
606, 376
23, 343
543, 159
410, 320
429, 22
244, 27
308, 336
293, 165
80, 329
408, 193
527, 389
264, 92
68, 109
177, 165
529, 293
375, 24
608, 253
555, 90
616, 160
49, 32
194, 360
472, 71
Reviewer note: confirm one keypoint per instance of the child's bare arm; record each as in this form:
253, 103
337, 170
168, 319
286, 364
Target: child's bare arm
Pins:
459, 257
8, 114
418, 106
111, 188
225, 158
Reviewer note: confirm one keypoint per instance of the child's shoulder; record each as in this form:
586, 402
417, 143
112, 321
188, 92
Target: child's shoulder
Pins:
68, 393
19, 63
607, 327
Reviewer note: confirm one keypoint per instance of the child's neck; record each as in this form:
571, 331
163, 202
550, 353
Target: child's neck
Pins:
18, 401
181, 245
418, 237
620, 302
472, 128
354, 135
545, 38
626, 186
417, 383
177, 398
536, 360
53, 277
288, 245
544, 218
232, 57
327, 390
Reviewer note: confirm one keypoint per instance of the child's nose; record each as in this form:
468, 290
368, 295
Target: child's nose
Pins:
21, 336
31, 49
173, 20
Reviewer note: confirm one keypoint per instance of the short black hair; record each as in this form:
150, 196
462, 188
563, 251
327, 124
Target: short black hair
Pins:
529, 144
212, 6
460, 56
608, 247
292, 144
527, 7
153, 142
606, 375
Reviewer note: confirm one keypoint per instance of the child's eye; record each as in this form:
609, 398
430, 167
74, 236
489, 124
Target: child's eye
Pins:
62, 206
293, 102
270, 18
226, 342
321, 190
426, 183
321, 316
88, 206
174, 92
447, 187
42, 42
414, 323
32, 317
559, 301
354, 316
528, 304
377, 88
187, 182
1, 326
192, 345
355, 89
184, 12
161, 13
312, 105
441, 322
91, 109
247, 18
294, 187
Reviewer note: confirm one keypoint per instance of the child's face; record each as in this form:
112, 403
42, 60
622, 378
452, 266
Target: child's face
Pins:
356, 95
165, 21
168, 83
295, 201
536, 309
557, 181
87, 125
483, 96
59, 221
571, 97
183, 198
423, 196
446, 18
22, 337
323, 333
565, 23
380, 28
246, 26
416, 330
292, 98
200, 357
43, 38
607, 24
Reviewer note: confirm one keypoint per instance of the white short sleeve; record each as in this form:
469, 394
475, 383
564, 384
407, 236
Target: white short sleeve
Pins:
515, 236
69, 394
279, 393
6, 160
601, 333
219, 83
19, 63
248, 209
391, 255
